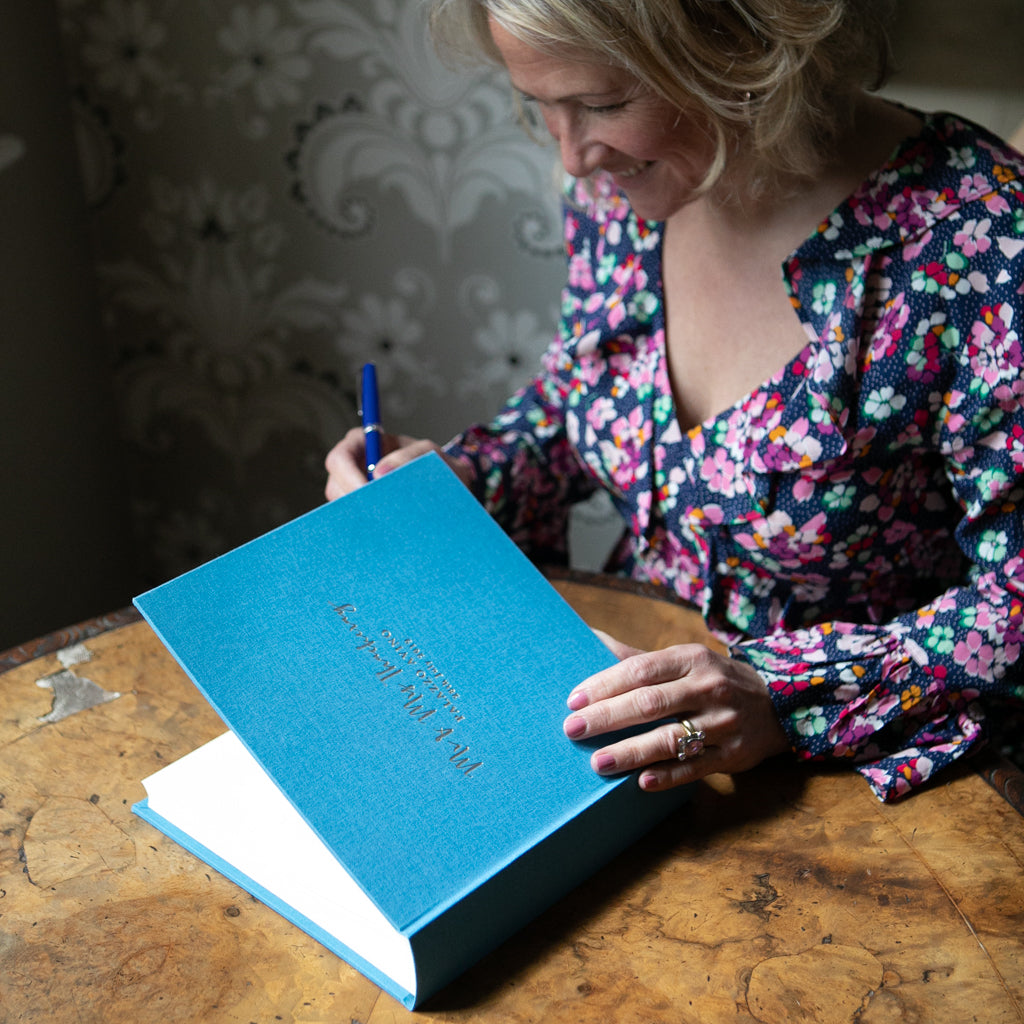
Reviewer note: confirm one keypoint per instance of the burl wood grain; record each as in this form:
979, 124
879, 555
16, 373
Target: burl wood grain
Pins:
782, 895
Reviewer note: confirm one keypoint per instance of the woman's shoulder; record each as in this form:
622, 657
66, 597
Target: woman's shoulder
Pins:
950, 169
949, 154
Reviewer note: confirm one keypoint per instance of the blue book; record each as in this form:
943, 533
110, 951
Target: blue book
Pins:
395, 781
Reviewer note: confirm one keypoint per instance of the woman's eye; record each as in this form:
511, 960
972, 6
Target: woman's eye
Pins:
606, 108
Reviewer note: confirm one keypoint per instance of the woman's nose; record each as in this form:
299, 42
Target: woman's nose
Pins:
580, 154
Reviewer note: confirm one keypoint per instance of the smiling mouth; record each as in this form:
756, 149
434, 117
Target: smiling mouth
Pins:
632, 172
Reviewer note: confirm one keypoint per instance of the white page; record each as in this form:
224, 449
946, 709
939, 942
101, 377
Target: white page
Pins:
221, 797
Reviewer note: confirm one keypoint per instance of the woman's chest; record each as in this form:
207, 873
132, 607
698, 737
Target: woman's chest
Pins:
729, 325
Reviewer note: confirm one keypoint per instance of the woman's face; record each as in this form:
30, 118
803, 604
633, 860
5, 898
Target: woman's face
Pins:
603, 119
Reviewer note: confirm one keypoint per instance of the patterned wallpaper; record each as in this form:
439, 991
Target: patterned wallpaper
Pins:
276, 191
279, 192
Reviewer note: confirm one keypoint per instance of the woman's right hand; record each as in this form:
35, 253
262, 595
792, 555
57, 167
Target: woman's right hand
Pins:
346, 461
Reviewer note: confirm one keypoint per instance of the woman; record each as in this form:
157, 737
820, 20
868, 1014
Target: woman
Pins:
828, 461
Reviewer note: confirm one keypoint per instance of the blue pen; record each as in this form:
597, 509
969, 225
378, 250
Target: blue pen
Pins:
370, 411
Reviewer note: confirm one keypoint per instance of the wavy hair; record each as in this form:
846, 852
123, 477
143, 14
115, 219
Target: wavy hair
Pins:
774, 80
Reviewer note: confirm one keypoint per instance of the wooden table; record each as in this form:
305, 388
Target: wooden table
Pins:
782, 895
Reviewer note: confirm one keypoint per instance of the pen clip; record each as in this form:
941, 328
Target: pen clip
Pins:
369, 414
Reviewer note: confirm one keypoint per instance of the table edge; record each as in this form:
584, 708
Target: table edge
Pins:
999, 772
50, 643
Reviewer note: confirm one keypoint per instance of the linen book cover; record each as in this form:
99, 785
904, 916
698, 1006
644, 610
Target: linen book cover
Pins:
395, 781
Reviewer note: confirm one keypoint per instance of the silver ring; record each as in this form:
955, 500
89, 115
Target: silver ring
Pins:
691, 743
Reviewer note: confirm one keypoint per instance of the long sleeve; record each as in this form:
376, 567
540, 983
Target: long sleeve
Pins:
526, 472
539, 456
853, 526
940, 391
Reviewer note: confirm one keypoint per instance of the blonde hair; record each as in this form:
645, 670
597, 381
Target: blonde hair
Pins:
774, 80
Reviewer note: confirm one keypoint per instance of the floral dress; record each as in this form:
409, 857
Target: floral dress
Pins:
853, 527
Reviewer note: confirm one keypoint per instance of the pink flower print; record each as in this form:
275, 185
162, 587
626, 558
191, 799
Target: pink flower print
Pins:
580, 275
907, 212
641, 372
952, 420
899, 531
798, 441
811, 588
850, 733
984, 370
713, 513
795, 679
601, 412
973, 237
590, 365
669, 489
698, 441
977, 186
1015, 444
613, 232
1010, 392
571, 230
632, 431
803, 489
643, 505
622, 272
616, 311
890, 328
880, 780
822, 367
661, 378
873, 211
792, 545
972, 186
811, 537
993, 331
617, 463
720, 473
986, 618
915, 247
916, 769
975, 654
873, 505
996, 204
621, 353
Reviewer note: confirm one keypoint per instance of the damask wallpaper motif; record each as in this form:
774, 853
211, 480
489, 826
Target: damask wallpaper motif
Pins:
280, 191
277, 190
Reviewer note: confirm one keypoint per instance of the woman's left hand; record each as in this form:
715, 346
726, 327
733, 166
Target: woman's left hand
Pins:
725, 699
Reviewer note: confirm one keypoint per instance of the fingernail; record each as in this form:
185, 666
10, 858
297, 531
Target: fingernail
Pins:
577, 700
648, 781
604, 762
575, 727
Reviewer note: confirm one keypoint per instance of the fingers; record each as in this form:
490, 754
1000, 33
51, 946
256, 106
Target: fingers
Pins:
656, 752
405, 451
723, 699
643, 687
668, 774
346, 461
650, 747
346, 465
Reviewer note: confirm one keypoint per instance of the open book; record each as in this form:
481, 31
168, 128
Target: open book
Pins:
393, 673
